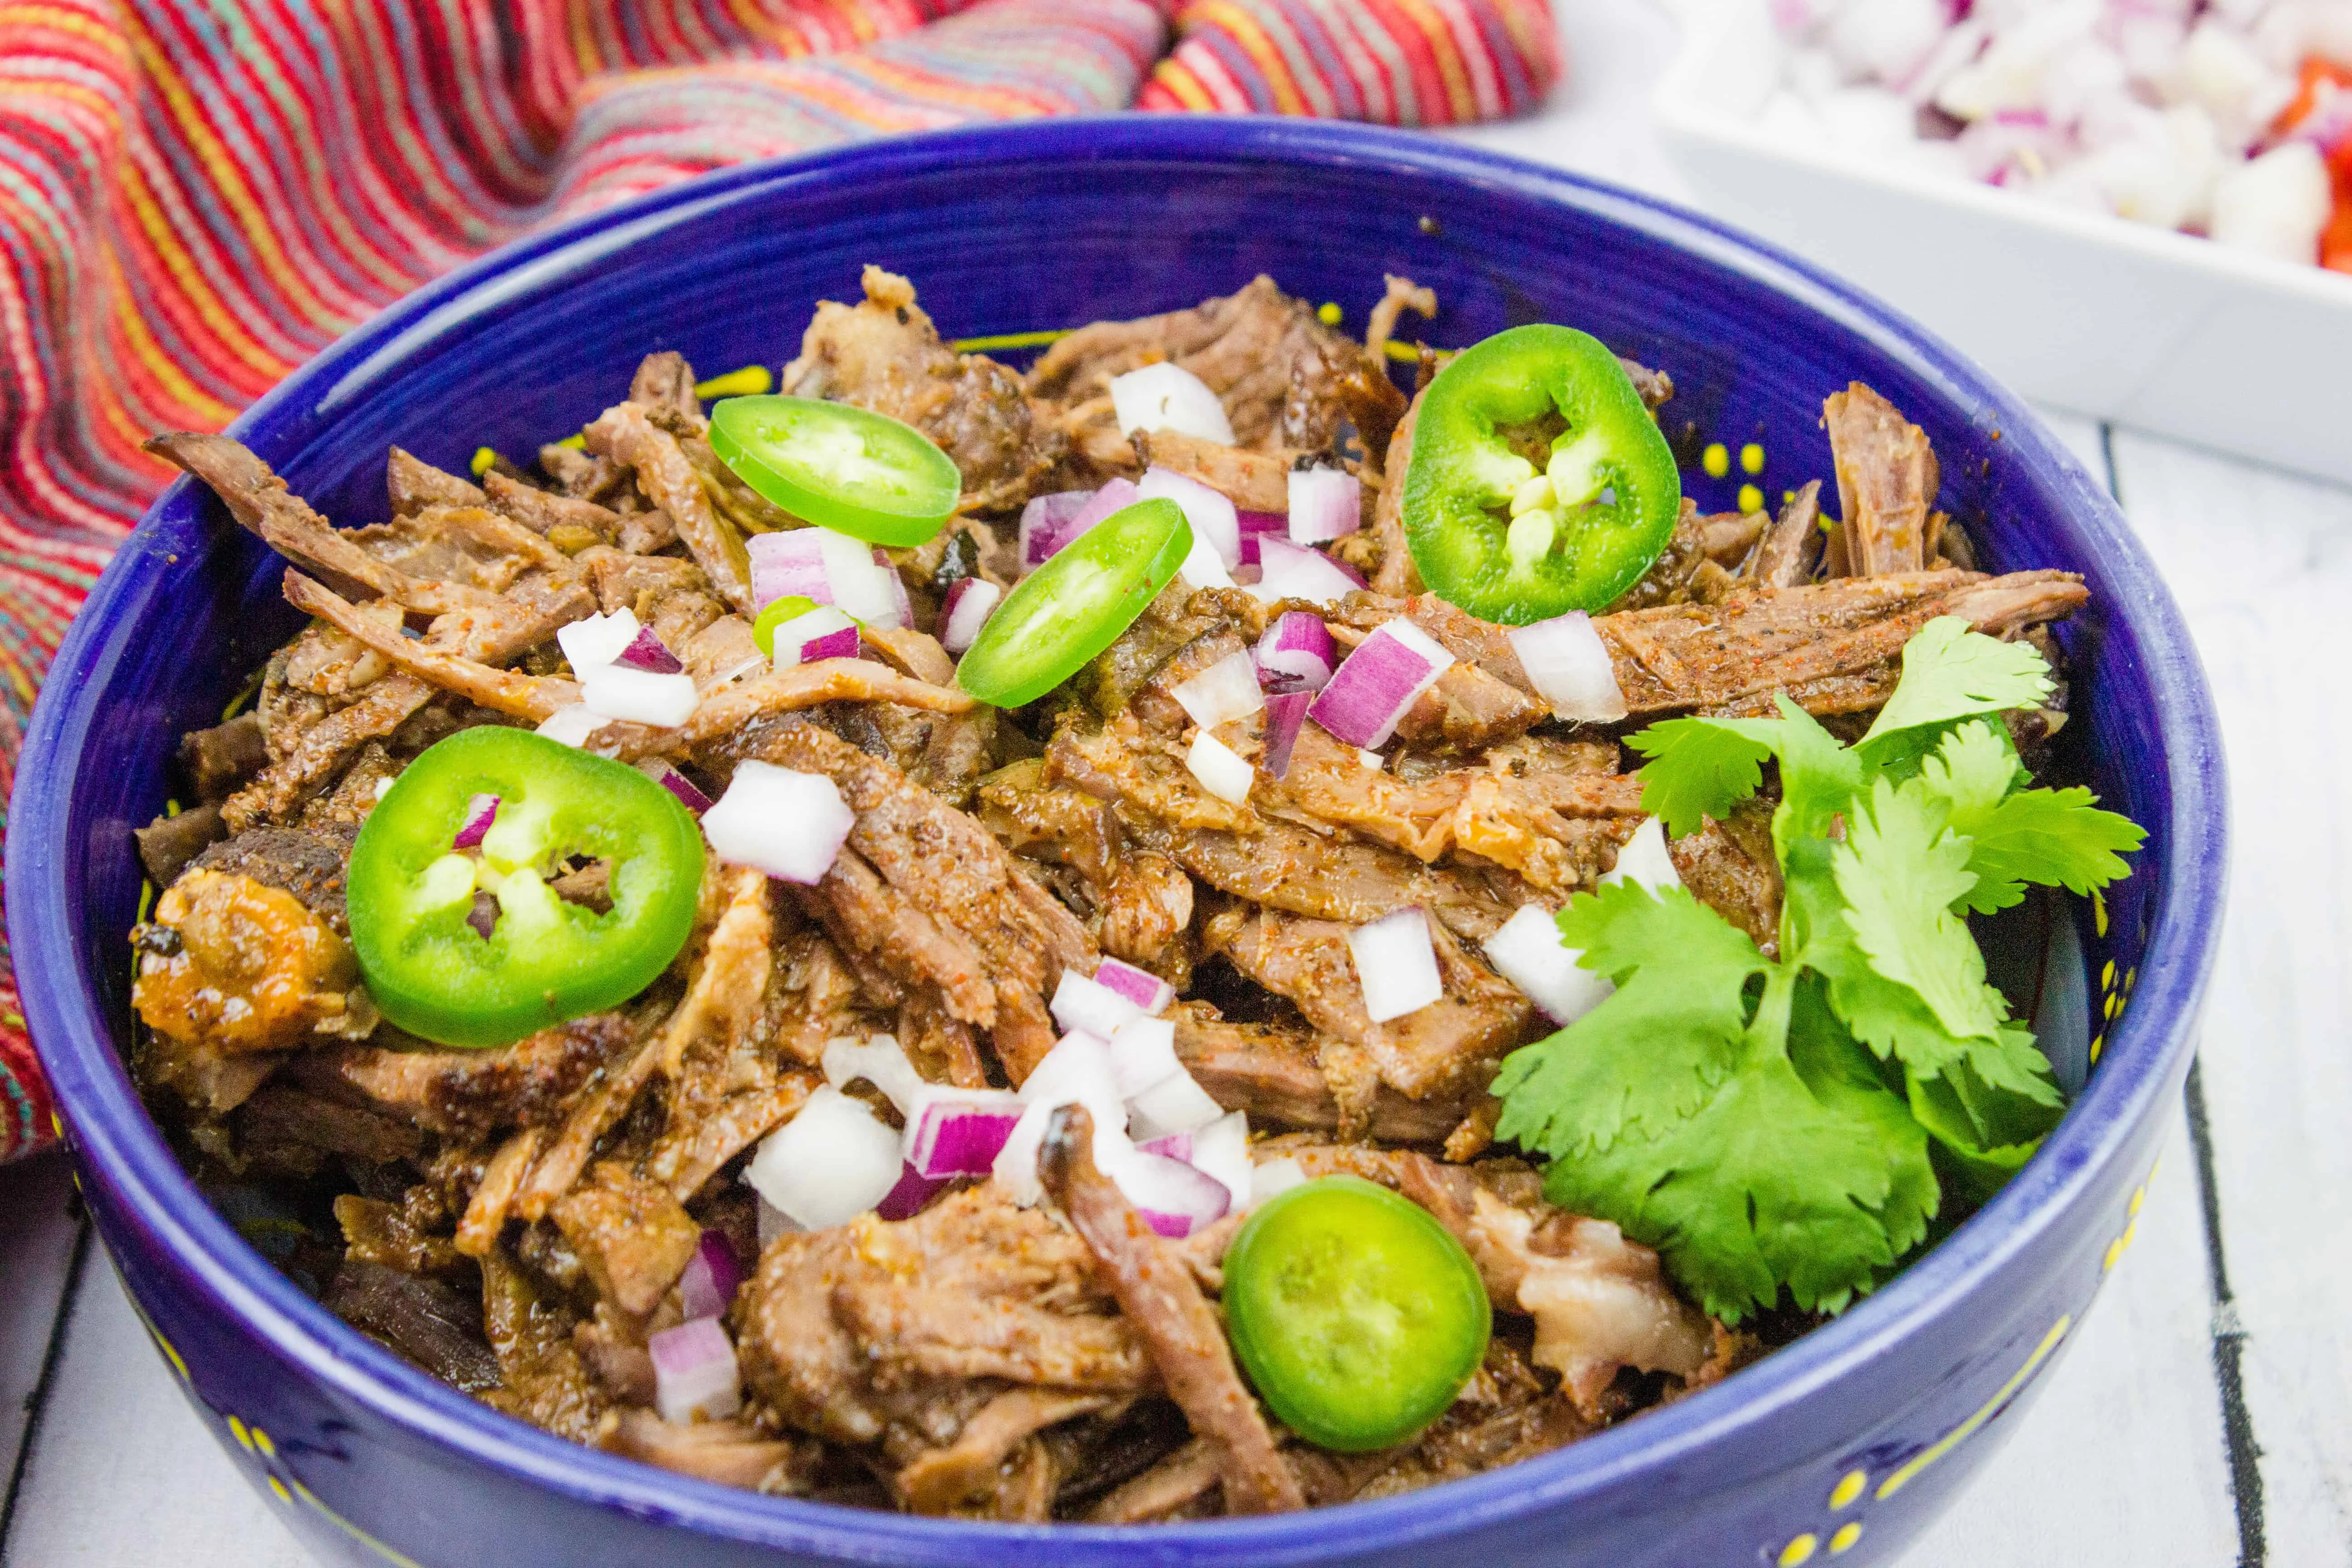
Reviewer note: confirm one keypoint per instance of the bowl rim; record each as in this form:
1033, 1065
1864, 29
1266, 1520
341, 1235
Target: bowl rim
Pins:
116, 1141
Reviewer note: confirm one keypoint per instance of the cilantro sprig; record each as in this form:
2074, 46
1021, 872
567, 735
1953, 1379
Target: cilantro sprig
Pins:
1766, 1121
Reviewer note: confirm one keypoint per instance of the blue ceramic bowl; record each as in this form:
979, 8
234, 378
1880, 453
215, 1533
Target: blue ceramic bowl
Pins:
1842, 1446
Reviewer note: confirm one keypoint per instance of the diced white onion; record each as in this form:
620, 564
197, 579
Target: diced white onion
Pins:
1175, 1104
638, 696
1202, 568
1173, 1197
790, 825
1082, 1004
969, 605
825, 632
1644, 859
828, 567
1226, 691
695, 1374
597, 640
1222, 772
1274, 1176
1296, 571
573, 724
1142, 1053
828, 1164
1221, 1149
1211, 515
880, 1061
1377, 685
1569, 666
1077, 1071
1527, 950
1167, 397
1396, 964
1325, 504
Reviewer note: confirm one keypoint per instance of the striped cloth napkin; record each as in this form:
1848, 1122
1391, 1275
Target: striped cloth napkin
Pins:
196, 195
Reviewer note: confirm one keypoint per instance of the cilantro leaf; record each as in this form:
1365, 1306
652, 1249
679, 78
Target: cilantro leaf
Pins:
1972, 770
1900, 873
2053, 837
1701, 767
1766, 1183
1648, 1056
1950, 671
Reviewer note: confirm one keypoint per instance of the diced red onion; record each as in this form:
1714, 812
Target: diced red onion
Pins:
1285, 712
1325, 504
694, 1375
831, 1163
1222, 1150
1174, 1197
1222, 772
1174, 1146
1297, 647
573, 724
707, 1287
828, 567
1077, 1071
1274, 1176
650, 654
969, 601
1211, 515
1082, 1004
1045, 525
1296, 571
480, 811
1525, 950
1570, 667
640, 696
1167, 397
1227, 689
1140, 986
1643, 858
881, 1061
825, 632
594, 640
960, 1133
676, 783
902, 608
906, 1200
790, 825
1252, 524
1375, 686
1396, 964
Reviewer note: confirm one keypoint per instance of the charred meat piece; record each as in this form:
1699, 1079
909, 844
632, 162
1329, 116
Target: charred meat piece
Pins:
1887, 478
884, 353
428, 1323
234, 963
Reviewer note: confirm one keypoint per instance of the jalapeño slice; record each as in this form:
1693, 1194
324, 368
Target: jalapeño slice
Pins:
1076, 604
838, 465
416, 928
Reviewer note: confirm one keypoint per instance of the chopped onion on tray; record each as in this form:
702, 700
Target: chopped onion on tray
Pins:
1396, 964
969, 601
1167, 397
695, 1374
1222, 772
1227, 689
1570, 667
1325, 504
1375, 686
790, 825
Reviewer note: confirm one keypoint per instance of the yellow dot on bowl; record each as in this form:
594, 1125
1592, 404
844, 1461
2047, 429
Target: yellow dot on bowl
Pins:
2107, 976
2140, 1196
1715, 460
237, 1430
2131, 977
1798, 1551
261, 1441
2115, 1251
483, 458
1750, 499
1848, 1533
1752, 458
1849, 1487
278, 1487
2098, 1044
1329, 313
748, 382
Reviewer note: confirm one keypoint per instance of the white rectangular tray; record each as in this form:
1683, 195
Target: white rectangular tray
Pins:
2114, 319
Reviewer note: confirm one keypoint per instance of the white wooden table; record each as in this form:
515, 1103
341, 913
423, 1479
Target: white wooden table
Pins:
2203, 1415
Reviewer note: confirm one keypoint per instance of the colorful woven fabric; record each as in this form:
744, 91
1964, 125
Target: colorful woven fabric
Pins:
195, 197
